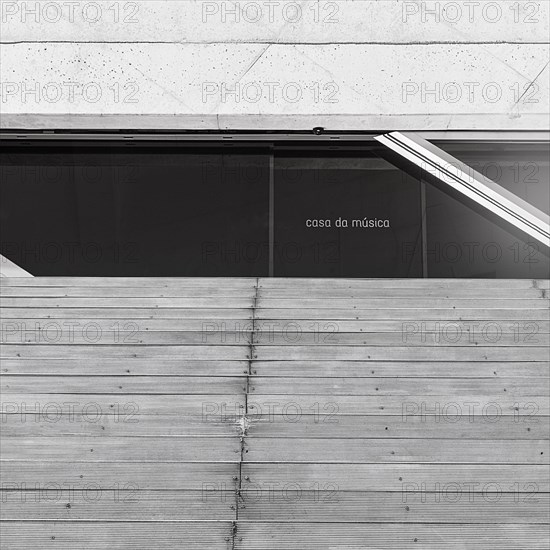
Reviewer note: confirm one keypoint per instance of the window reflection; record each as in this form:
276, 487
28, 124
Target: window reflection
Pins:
292, 209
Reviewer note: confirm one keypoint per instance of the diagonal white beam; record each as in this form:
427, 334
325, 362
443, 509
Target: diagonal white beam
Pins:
470, 183
9, 269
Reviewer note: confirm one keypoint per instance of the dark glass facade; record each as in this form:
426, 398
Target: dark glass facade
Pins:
345, 213
463, 242
284, 209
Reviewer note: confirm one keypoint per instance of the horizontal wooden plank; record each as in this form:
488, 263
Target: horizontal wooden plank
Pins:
73, 449
323, 423
99, 535
283, 504
396, 477
401, 313
388, 369
214, 407
124, 385
123, 408
137, 425
221, 291
395, 353
288, 369
343, 282
417, 328
129, 326
107, 475
212, 334
276, 303
524, 387
131, 366
365, 292
294, 336
417, 315
182, 291
278, 504
363, 451
55, 334
123, 449
404, 405
52, 351
331, 536
125, 314
184, 385
131, 504
88, 422
144, 282
144, 302
266, 283
523, 329
337, 303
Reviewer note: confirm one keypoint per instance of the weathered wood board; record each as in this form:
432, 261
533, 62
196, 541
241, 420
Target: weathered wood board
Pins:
250, 414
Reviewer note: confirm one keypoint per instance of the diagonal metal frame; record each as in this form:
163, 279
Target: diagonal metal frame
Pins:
460, 177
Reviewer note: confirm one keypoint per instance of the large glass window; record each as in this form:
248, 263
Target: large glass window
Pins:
465, 242
345, 212
280, 208
164, 210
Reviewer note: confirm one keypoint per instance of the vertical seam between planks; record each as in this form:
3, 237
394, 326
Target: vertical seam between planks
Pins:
244, 421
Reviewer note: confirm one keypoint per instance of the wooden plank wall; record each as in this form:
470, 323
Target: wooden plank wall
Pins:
274, 413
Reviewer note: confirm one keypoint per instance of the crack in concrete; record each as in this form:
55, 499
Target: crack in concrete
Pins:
258, 57
528, 87
167, 91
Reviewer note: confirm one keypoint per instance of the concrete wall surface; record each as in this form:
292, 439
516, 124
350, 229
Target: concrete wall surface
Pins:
370, 65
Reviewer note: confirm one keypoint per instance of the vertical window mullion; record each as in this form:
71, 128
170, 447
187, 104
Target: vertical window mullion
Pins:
272, 212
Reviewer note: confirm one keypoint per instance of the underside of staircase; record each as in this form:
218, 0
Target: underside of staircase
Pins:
275, 414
